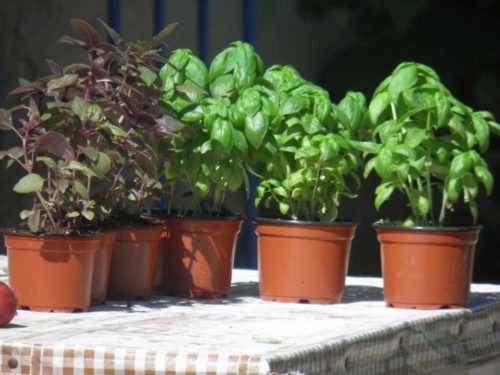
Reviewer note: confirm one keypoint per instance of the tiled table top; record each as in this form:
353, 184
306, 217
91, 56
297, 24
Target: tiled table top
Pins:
245, 335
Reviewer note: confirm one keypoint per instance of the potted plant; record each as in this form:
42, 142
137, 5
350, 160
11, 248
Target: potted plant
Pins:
307, 162
51, 258
199, 252
100, 118
124, 81
426, 146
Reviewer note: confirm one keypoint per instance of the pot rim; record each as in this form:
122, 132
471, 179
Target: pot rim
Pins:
51, 236
158, 213
198, 217
458, 228
270, 220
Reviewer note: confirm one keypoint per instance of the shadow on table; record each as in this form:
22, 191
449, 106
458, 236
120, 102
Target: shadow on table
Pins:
242, 291
362, 293
162, 301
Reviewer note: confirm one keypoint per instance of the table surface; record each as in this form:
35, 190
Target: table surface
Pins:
245, 335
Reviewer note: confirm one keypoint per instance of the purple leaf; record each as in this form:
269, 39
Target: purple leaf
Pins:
54, 68
55, 144
75, 42
87, 30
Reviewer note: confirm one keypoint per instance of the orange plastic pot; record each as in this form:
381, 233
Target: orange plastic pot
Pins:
51, 273
102, 266
197, 256
303, 261
133, 263
427, 268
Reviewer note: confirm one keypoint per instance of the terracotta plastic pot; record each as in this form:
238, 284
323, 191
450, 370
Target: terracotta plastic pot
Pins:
51, 273
198, 255
102, 266
133, 263
303, 261
427, 268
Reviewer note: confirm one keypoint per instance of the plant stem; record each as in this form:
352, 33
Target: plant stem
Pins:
428, 172
44, 204
443, 203
313, 195
394, 112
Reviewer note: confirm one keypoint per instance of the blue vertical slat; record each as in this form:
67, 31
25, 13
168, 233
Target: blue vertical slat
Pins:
248, 244
114, 15
158, 16
203, 30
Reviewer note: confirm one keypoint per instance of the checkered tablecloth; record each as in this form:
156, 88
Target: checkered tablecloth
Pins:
244, 335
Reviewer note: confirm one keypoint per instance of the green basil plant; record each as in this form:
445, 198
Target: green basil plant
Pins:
426, 145
212, 150
306, 155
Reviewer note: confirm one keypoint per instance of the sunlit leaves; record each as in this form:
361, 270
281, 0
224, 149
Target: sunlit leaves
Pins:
31, 183
427, 144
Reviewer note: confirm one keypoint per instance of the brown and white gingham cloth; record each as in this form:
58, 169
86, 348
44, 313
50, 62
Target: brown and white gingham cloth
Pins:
80, 360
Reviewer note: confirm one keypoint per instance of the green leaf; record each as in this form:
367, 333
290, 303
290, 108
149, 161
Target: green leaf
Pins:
423, 205
482, 132
307, 152
484, 175
384, 162
454, 189
30, 183
369, 147
13, 152
222, 86
404, 79
460, 165
89, 215
240, 141
34, 221
72, 214
311, 124
77, 166
79, 107
103, 165
284, 207
473, 209
442, 108
61, 82
293, 104
81, 189
281, 191
249, 102
115, 130
222, 132
327, 150
377, 106
202, 188
147, 75
235, 180
414, 137
369, 167
383, 192
256, 128
91, 152
24, 214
